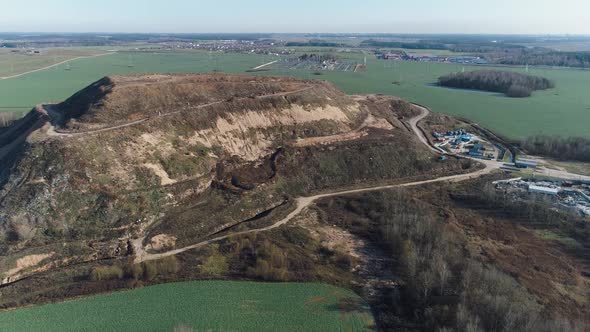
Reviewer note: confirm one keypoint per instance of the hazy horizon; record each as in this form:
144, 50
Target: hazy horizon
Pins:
527, 17
318, 33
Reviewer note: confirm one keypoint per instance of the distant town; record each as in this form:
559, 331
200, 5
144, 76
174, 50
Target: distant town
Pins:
426, 57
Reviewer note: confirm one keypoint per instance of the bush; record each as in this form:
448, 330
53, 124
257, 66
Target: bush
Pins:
165, 266
271, 263
266, 271
150, 271
216, 264
178, 165
342, 261
134, 271
100, 273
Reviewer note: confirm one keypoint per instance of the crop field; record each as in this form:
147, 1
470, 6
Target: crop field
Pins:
563, 111
202, 306
18, 61
57, 83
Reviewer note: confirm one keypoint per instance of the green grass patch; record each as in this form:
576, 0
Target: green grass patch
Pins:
202, 306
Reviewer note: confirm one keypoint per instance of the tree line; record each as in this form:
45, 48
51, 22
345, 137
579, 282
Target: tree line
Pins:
510, 83
421, 45
441, 287
541, 58
561, 148
313, 43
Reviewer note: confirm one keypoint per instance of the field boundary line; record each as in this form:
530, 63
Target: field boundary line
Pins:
266, 64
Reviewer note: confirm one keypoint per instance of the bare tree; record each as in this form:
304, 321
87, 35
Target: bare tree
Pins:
443, 271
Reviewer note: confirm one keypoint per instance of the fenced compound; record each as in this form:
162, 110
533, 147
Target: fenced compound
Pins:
314, 63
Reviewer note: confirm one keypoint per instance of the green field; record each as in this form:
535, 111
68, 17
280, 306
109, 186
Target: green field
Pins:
562, 111
17, 61
202, 306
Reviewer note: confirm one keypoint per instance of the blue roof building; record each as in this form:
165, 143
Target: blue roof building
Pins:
466, 138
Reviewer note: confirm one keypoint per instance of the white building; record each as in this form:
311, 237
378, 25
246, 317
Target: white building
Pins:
543, 190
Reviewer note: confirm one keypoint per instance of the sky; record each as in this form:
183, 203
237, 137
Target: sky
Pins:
328, 16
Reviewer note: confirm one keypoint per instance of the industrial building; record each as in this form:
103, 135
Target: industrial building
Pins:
462, 142
534, 189
573, 196
526, 163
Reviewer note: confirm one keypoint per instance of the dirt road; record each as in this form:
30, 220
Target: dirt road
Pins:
301, 204
414, 124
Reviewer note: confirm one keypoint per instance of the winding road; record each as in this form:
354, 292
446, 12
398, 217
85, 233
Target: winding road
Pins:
414, 125
301, 203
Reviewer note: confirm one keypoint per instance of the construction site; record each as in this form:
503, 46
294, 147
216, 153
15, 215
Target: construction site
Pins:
465, 143
573, 196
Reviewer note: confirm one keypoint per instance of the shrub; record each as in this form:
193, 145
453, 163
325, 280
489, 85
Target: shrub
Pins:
134, 271
271, 263
178, 165
342, 261
150, 271
100, 273
216, 264
165, 266
263, 268
296, 235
